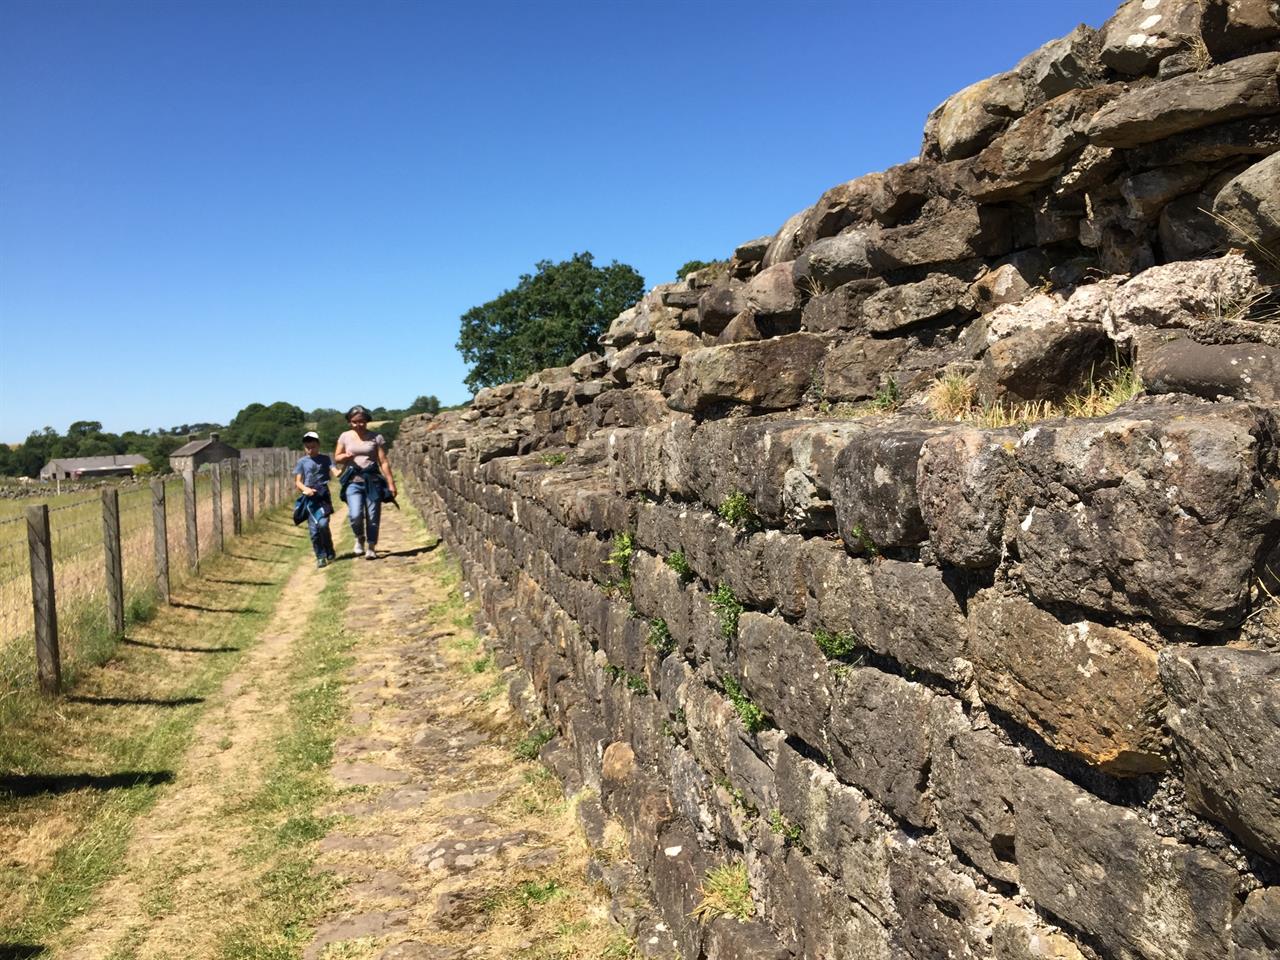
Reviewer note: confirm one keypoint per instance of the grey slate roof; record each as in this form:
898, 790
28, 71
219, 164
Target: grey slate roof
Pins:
72, 464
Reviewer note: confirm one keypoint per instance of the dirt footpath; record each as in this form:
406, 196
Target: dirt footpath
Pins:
440, 834
450, 845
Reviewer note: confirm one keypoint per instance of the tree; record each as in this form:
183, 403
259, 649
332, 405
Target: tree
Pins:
550, 319
429, 404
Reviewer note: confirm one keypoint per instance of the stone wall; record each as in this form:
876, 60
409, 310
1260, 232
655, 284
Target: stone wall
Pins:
835, 562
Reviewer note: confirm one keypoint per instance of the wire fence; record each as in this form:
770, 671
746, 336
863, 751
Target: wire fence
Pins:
81, 568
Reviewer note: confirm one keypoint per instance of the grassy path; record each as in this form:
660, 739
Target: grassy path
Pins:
291, 763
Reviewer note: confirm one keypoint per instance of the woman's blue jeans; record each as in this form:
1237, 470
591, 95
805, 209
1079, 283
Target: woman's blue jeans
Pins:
364, 513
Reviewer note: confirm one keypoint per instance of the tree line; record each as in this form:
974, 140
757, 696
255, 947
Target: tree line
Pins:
257, 425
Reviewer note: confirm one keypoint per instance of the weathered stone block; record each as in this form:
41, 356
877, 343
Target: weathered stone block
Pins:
1087, 689
874, 488
1251, 202
912, 613
1242, 371
840, 828
1224, 711
1240, 88
896, 308
960, 233
1159, 512
967, 121
1140, 34
785, 674
941, 912
766, 374
1099, 868
1257, 927
973, 780
964, 480
841, 308
880, 739
856, 368
1048, 363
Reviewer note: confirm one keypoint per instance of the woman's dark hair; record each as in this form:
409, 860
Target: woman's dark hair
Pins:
358, 409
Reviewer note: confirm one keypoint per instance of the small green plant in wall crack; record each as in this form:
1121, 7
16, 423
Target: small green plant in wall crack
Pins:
788, 831
727, 608
860, 538
623, 549
736, 511
680, 564
752, 716
725, 892
835, 646
660, 637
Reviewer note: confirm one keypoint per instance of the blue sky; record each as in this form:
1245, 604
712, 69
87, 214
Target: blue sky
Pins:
206, 204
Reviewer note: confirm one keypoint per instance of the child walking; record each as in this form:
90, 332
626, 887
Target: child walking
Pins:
311, 477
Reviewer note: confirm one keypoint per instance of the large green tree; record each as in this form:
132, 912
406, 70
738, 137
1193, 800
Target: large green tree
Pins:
549, 319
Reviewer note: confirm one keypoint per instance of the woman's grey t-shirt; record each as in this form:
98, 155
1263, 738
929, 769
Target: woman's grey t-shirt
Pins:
365, 450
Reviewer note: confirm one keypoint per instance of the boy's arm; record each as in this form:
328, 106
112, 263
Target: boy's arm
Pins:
297, 481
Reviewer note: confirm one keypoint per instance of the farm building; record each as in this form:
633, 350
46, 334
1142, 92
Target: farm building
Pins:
196, 453
73, 468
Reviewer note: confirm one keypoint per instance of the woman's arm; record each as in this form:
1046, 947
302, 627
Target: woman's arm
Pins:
340, 454
385, 466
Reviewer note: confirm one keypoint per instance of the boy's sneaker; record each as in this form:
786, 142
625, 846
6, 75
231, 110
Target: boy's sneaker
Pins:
370, 554
359, 548
321, 562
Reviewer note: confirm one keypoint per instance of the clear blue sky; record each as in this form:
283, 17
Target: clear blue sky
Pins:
205, 204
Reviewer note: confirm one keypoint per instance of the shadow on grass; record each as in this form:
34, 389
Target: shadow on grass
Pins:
135, 701
243, 583
176, 649
203, 609
254, 557
20, 951
38, 784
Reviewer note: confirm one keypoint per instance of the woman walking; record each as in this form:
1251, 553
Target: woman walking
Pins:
366, 481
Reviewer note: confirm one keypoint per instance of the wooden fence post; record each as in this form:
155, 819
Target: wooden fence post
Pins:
189, 506
115, 566
261, 466
233, 466
249, 491
215, 473
160, 533
43, 603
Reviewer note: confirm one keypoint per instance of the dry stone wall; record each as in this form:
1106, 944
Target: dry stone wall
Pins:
993, 678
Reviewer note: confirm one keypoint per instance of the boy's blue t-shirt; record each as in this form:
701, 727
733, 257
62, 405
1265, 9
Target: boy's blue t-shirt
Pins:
314, 471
